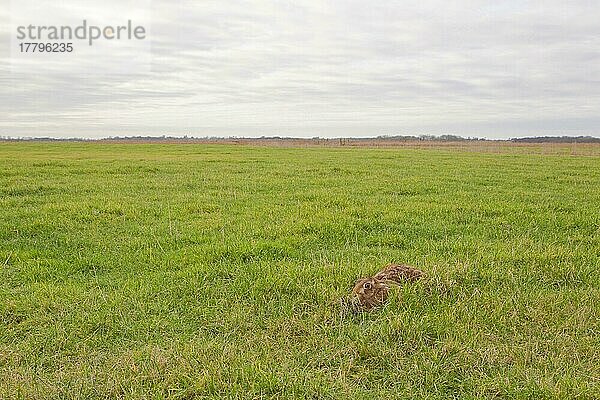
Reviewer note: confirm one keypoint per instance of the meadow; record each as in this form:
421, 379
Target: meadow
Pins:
216, 271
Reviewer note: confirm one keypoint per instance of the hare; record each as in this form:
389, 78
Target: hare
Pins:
369, 293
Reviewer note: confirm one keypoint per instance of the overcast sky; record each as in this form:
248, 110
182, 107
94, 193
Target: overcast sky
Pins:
344, 68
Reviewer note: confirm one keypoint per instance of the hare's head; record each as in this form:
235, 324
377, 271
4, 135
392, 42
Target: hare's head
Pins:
369, 292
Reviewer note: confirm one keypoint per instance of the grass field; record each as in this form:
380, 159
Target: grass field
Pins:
192, 271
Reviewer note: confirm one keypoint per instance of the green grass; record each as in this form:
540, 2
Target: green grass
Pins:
193, 271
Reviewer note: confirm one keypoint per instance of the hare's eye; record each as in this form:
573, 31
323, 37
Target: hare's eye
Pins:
367, 285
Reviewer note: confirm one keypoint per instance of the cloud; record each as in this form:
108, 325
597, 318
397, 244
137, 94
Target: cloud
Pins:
320, 68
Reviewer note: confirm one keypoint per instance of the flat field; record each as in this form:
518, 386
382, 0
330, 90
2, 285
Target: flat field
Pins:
215, 271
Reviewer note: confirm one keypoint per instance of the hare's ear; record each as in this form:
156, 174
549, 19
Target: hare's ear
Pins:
389, 267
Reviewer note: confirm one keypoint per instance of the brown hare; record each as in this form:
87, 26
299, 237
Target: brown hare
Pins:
369, 293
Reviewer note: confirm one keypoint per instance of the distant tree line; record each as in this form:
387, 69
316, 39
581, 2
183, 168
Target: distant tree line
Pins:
558, 139
342, 141
440, 138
